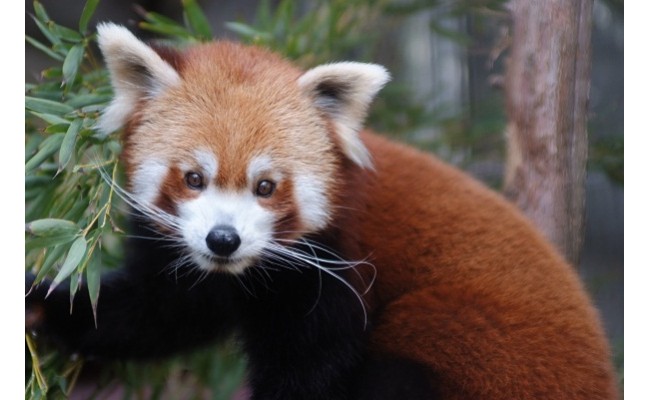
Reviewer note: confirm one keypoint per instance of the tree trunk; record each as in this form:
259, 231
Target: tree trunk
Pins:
547, 89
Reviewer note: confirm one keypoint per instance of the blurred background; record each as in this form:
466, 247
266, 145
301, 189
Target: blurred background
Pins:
447, 59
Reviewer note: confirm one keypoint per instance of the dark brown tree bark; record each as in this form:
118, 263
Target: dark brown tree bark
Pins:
547, 89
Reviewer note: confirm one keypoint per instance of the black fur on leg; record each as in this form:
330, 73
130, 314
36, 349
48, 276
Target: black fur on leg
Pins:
383, 377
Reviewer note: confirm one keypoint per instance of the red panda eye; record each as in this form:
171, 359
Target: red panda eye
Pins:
265, 188
194, 180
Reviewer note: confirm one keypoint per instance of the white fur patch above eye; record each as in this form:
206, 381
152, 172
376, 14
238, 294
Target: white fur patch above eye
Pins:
136, 72
147, 179
262, 166
344, 92
208, 163
311, 195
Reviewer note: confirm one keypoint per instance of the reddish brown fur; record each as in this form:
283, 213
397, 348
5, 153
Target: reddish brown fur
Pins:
237, 103
469, 288
464, 284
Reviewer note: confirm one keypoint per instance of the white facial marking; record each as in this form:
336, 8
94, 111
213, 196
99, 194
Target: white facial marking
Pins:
212, 207
312, 200
147, 178
261, 166
206, 162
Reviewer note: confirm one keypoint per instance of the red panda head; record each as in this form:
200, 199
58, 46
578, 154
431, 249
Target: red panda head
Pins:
230, 148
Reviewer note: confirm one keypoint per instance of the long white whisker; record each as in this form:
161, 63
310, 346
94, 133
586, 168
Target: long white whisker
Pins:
150, 211
320, 280
346, 264
340, 261
289, 253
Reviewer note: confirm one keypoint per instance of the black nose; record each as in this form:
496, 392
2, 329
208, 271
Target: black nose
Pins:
223, 240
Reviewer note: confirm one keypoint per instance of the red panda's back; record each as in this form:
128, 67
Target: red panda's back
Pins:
469, 288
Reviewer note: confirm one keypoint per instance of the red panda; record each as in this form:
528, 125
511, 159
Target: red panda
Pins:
350, 266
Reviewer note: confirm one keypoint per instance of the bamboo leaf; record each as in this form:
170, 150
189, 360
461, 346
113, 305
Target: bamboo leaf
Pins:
47, 148
75, 282
50, 119
169, 30
71, 63
36, 181
52, 73
51, 257
157, 19
42, 242
72, 260
67, 146
84, 100
65, 33
52, 227
40, 46
55, 40
58, 128
47, 106
37, 374
197, 19
40, 12
93, 273
86, 14
247, 31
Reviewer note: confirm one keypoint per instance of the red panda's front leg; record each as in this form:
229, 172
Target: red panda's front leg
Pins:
304, 337
143, 311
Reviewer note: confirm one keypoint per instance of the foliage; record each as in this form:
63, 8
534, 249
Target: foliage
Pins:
74, 218
329, 30
69, 207
73, 214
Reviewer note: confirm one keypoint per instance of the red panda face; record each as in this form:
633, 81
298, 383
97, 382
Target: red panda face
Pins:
231, 150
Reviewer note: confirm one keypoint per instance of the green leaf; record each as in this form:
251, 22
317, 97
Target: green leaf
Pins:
72, 260
168, 30
67, 146
72, 62
40, 12
93, 273
51, 257
87, 99
75, 280
197, 19
86, 14
40, 46
159, 19
263, 16
247, 31
55, 40
47, 148
52, 73
36, 181
47, 106
64, 33
50, 119
52, 227
42, 242
58, 128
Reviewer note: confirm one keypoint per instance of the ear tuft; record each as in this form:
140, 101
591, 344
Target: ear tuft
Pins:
344, 92
137, 72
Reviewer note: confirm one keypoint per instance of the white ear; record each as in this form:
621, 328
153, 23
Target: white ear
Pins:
344, 92
136, 72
